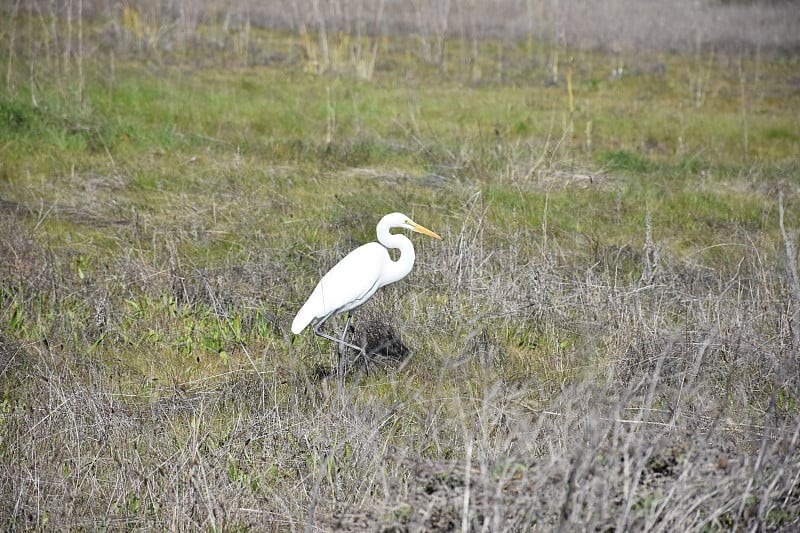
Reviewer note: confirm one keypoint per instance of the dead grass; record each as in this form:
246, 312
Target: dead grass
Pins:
596, 344
579, 397
684, 26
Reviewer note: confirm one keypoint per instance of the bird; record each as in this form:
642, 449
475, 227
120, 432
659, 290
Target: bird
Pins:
356, 278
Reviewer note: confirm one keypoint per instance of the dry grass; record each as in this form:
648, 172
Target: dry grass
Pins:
602, 341
546, 392
682, 26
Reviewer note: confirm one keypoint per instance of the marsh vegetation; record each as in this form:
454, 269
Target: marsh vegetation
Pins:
607, 338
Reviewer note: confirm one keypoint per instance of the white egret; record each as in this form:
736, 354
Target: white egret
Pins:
354, 279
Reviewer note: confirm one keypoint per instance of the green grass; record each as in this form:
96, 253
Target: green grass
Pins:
610, 313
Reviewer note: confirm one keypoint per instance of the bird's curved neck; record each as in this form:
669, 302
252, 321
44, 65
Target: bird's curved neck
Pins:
396, 270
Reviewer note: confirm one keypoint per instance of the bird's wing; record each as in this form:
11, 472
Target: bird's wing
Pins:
346, 286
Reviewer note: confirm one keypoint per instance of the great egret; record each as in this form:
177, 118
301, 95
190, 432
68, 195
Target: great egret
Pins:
354, 279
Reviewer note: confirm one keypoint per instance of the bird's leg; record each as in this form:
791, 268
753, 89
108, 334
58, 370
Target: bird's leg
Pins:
341, 343
346, 327
366, 361
361, 349
340, 349
334, 339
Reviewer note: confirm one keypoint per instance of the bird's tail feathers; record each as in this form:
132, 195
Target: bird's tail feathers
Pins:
303, 319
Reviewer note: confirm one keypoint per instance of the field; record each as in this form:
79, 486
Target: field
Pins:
607, 337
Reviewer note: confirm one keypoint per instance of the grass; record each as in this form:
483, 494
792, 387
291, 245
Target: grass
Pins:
605, 338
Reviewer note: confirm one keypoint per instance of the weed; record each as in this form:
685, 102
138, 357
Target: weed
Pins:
624, 160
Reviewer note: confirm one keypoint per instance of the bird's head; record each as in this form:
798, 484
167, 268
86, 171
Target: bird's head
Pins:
399, 220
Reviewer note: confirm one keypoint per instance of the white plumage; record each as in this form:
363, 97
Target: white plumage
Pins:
345, 287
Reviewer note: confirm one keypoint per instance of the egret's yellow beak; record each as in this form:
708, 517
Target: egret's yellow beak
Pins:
422, 229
